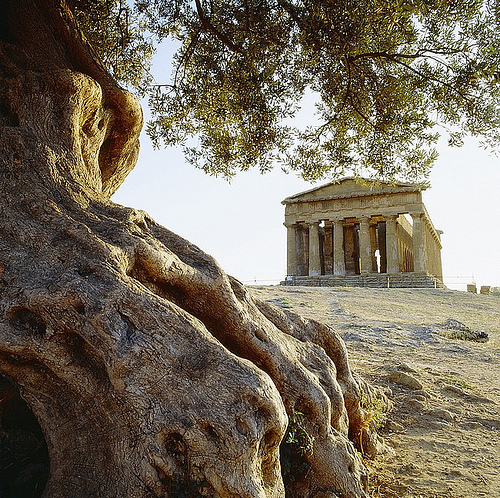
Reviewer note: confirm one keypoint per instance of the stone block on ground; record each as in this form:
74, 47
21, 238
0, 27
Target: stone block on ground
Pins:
404, 379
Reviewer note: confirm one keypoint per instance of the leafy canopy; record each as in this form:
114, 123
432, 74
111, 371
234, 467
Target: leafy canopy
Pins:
385, 75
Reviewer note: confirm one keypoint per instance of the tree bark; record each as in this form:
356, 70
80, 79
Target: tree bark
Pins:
150, 371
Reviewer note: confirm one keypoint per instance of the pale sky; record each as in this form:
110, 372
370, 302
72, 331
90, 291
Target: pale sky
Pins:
241, 223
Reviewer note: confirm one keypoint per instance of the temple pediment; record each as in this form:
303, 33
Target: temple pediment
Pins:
349, 187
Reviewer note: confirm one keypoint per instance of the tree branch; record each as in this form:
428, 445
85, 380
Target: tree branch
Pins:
432, 78
387, 55
205, 22
185, 57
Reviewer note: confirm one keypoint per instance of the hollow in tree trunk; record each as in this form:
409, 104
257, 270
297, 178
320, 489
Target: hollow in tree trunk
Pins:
150, 371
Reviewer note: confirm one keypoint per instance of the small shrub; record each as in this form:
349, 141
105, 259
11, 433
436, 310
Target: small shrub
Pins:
453, 329
375, 409
296, 445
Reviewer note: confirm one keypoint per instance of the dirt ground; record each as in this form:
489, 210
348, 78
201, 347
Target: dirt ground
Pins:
445, 433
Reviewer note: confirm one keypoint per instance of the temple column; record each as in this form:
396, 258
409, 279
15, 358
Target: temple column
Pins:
419, 244
338, 247
291, 250
314, 247
327, 248
391, 244
302, 248
365, 250
373, 246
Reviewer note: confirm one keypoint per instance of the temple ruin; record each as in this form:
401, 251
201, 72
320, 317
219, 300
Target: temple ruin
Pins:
359, 233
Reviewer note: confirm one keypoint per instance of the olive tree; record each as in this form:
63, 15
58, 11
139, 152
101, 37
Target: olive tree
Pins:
149, 370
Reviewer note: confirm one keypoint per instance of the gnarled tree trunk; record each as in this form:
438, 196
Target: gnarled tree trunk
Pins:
151, 372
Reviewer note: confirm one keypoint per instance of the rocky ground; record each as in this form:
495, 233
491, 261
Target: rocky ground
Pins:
422, 345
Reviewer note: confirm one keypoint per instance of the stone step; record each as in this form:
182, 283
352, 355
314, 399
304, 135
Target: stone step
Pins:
400, 280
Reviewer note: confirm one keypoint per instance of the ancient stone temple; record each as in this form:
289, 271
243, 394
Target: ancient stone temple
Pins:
360, 233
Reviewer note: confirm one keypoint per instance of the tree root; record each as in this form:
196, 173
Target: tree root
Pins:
148, 368
165, 368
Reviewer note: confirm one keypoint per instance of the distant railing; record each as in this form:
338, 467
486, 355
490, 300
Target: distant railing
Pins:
265, 281
458, 282
455, 282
